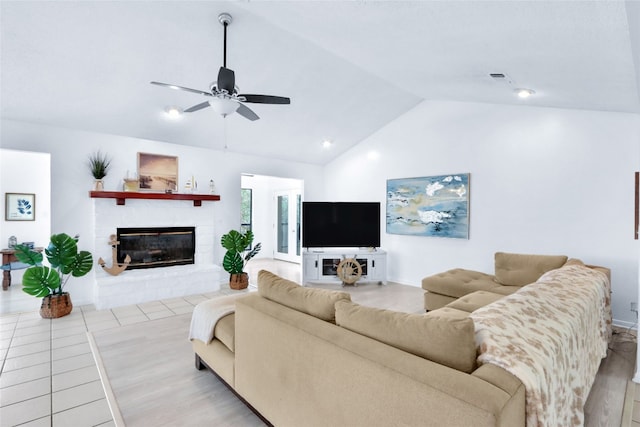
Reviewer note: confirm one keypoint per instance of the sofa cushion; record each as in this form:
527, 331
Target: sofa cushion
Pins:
521, 269
444, 336
475, 300
458, 282
319, 303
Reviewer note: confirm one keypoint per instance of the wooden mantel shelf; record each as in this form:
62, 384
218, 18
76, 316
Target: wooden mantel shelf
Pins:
122, 196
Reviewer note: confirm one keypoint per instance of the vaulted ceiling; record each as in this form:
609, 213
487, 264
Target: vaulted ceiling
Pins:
349, 67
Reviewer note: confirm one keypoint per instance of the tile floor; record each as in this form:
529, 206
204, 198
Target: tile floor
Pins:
48, 375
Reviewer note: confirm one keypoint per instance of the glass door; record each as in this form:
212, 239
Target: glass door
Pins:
287, 227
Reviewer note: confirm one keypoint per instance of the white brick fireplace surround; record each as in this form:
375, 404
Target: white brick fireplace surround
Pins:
137, 286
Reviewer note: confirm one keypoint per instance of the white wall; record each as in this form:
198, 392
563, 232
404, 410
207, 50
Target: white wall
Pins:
264, 207
636, 377
26, 172
262, 217
543, 181
71, 181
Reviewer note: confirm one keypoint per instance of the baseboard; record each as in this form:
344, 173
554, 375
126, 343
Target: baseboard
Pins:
625, 325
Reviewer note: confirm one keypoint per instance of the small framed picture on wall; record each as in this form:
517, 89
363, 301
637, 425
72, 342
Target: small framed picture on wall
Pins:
20, 207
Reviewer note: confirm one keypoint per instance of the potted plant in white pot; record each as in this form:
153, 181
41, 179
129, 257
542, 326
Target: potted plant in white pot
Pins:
99, 166
48, 282
239, 252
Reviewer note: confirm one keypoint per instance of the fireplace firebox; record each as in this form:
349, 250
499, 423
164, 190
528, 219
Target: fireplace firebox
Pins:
152, 247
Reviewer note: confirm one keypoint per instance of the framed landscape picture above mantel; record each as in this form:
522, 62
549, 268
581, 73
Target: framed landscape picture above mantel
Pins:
157, 172
435, 206
20, 207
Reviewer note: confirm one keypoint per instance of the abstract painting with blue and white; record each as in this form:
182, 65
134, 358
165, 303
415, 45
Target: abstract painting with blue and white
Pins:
429, 206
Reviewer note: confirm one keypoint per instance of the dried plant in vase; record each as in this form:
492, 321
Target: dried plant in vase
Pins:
99, 166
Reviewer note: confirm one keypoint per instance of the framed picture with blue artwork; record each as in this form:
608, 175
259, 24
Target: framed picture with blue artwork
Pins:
20, 207
436, 206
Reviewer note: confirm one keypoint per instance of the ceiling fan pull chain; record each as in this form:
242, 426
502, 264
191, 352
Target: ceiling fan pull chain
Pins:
224, 132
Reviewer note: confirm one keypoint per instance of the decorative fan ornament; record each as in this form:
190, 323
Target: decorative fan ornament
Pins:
223, 93
349, 271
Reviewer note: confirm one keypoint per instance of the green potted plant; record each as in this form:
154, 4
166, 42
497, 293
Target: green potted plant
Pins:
99, 166
48, 282
239, 252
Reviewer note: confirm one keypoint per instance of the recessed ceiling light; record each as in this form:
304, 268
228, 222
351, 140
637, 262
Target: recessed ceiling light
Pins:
524, 93
326, 143
173, 112
373, 155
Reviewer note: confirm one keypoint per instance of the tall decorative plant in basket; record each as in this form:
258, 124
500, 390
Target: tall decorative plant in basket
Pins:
239, 252
48, 282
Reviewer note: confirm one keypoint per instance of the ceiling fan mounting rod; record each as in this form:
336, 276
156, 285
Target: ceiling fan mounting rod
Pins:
225, 19
224, 59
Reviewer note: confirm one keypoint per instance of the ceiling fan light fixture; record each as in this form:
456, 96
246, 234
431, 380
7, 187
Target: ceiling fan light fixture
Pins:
224, 106
524, 92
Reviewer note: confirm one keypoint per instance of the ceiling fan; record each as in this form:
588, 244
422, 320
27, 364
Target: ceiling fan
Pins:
224, 95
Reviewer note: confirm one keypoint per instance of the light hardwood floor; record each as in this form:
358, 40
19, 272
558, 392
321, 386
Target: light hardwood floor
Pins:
604, 406
606, 401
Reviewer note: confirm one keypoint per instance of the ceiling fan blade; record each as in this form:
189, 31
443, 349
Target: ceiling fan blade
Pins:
266, 99
247, 112
197, 107
226, 80
181, 88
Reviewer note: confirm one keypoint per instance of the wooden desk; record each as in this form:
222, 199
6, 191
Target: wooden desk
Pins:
9, 256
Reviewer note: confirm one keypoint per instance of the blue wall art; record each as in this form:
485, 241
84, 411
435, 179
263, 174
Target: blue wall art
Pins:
20, 207
435, 206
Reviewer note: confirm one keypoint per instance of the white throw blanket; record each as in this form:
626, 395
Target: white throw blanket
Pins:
206, 315
552, 335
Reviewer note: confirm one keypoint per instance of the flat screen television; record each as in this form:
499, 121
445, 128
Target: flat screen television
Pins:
340, 224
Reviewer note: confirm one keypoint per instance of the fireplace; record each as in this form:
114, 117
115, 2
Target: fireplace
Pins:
151, 247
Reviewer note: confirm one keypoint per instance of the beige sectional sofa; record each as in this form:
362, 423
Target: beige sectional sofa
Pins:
310, 357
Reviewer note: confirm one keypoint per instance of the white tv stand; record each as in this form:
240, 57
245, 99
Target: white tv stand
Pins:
321, 265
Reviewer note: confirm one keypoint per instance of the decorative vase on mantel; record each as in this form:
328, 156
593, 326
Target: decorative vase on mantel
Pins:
98, 185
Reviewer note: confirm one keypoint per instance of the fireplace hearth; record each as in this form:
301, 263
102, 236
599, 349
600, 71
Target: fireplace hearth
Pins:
153, 247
